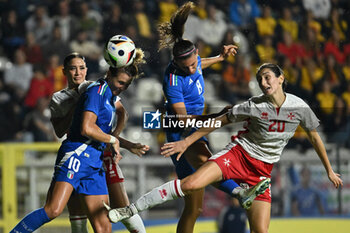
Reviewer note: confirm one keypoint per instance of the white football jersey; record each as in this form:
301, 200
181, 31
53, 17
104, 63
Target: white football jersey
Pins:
268, 129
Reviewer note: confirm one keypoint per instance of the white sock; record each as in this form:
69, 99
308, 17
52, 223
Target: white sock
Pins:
134, 224
166, 192
78, 224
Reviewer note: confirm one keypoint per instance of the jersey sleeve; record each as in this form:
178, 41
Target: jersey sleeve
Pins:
173, 88
240, 112
62, 102
309, 120
92, 100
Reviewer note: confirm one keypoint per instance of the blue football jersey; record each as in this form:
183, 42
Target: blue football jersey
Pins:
181, 87
98, 98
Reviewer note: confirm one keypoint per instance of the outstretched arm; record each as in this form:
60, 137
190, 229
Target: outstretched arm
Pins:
225, 52
180, 146
135, 148
317, 143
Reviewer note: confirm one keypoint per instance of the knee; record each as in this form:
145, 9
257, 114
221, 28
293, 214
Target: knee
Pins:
188, 186
52, 212
103, 228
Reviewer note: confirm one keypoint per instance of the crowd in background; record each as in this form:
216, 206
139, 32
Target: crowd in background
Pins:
308, 39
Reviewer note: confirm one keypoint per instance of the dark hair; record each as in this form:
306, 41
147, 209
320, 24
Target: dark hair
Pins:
171, 33
70, 57
275, 69
133, 69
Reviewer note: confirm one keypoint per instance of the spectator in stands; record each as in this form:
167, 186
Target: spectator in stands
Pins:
265, 51
266, 24
236, 79
10, 115
56, 45
312, 23
310, 78
287, 23
326, 100
65, 21
32, 50
292, 75
38, 123
13, 33
201, 9
212, 29
166, 9
340, 133
243, 13
40, 24
90, 21
319, 8
232, 218
346, 97
311, 47
55, 74
287, 47
306, 201
346, 69
40, 87
333, 47
337, 23
18, 76
89, 49
333, 74
114, 22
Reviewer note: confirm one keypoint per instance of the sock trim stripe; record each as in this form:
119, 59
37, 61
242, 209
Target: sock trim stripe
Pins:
75, 218
176, 188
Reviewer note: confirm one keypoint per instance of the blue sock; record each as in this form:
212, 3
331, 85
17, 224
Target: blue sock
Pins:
228, 186
31, 222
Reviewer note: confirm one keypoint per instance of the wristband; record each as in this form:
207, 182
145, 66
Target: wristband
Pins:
113, 139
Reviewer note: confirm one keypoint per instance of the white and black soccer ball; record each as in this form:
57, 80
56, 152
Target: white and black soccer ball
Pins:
119, 51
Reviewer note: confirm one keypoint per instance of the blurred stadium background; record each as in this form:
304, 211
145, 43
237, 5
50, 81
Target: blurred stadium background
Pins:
309, 39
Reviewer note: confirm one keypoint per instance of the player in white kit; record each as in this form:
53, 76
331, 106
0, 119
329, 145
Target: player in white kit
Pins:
271, 120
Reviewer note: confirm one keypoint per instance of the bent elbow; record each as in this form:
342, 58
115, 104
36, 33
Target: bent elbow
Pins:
85, 131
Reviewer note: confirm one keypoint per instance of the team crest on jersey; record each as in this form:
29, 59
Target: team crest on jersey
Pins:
70, 174
291, 116
199, 70
264, 115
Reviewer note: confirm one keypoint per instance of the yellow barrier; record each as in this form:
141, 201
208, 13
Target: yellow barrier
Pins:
11, 156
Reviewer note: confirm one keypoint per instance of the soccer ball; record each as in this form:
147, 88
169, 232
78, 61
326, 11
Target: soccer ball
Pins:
119, 51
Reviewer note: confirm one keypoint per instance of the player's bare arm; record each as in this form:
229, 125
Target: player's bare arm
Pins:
180, 147
226, 51
317, 143
91, 130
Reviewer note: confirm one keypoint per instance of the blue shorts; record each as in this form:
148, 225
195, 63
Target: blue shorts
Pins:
84, 178
182, 167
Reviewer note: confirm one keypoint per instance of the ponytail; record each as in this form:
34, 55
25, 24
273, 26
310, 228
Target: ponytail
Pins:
171, 33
